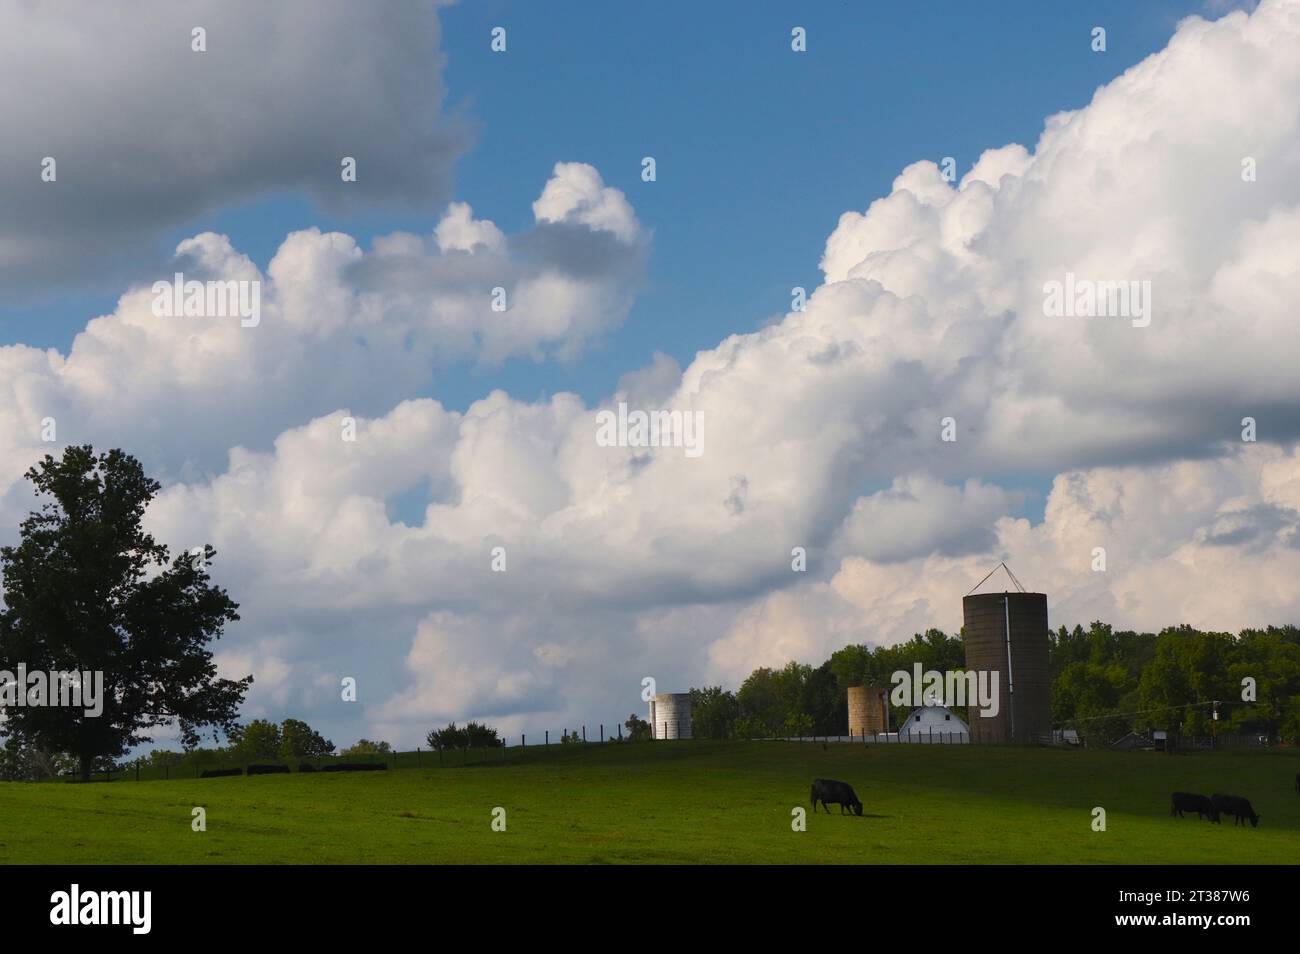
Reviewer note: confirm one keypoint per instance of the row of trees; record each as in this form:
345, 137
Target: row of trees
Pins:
1105, 683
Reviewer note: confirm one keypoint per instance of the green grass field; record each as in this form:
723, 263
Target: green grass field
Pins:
679, 802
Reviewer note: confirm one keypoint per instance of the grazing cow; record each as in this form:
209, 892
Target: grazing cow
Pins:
1236, 806
306, 767
1186, 802
828, 792
267, 769
221, 773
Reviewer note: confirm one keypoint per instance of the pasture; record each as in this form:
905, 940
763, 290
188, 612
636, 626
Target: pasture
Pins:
673, 802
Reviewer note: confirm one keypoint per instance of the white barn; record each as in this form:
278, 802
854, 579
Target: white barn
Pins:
935, 723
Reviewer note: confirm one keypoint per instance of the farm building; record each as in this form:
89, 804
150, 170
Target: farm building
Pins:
936, 722
868, 710
670, 716
1007, 633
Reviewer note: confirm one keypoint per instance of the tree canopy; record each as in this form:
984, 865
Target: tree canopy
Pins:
87, 589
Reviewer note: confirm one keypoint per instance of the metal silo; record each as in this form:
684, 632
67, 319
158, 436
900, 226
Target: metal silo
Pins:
868, 712
670, 715
1007, 633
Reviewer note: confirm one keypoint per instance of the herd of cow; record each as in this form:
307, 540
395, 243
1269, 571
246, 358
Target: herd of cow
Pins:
829, 792
1213, 807
304, 767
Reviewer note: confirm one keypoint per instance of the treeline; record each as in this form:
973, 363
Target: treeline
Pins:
257, 741
1105, 684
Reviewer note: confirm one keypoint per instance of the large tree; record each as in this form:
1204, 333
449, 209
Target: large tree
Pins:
88, 589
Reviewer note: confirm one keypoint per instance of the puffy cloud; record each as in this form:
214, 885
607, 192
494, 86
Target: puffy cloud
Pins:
1210, 543
577, 194
821, 431
339, 327
149, 134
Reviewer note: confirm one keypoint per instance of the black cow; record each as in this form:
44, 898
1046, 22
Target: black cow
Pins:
1186, 802
828, 792
1236, 806
267, 769
306, 767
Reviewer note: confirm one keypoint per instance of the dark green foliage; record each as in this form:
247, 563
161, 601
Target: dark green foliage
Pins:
87, 589
366, 747
713, 713
299, 740
638, 729
473, 736
1105, 684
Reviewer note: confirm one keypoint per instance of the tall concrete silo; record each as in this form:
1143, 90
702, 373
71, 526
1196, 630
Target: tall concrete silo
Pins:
868, 710
670, 715
1007, 633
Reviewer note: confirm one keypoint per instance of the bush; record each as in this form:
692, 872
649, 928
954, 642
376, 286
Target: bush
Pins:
366, 747
638, 729
473, 736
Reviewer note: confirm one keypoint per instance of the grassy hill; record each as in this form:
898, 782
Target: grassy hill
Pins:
679, 802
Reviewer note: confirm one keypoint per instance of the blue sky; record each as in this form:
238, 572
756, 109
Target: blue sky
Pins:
821, 431
730, 124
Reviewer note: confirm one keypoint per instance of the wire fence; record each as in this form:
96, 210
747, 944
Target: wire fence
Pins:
926, 736
214, 763
226, 762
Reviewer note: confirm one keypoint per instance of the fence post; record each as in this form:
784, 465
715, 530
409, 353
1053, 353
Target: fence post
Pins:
602, 732
620, 732
417, 756
548, 737
584, 733
523, 741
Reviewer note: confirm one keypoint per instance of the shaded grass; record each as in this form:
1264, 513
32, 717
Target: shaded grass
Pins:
704, 802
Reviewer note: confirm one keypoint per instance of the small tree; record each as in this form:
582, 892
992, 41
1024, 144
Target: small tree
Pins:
638, 729
448, 738
481, 736
258, 741
366, 747
299, 740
